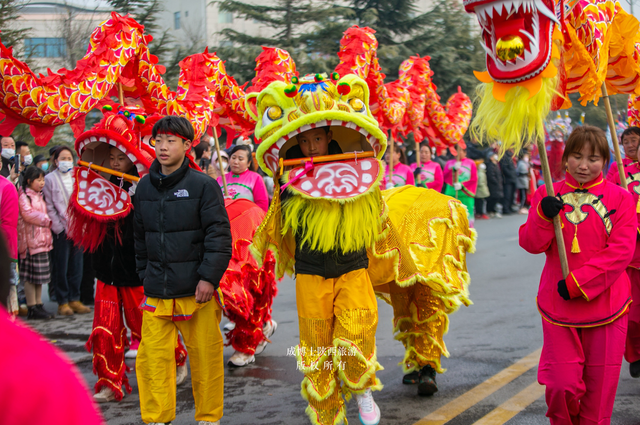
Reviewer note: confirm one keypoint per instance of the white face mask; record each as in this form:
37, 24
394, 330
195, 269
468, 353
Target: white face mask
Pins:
65, 166
8, 153
27, 160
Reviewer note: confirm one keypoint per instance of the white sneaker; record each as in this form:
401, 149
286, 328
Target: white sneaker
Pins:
268, 330
181, 374
229, 326
105, 395
369, 411
209, 423
239, 359
131, 354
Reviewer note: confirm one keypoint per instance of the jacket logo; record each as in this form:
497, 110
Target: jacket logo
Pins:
182, 193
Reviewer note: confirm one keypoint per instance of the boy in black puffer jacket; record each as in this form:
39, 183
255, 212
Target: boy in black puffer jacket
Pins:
183, 247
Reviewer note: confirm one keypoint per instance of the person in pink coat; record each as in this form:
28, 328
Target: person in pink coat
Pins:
630, 138
402, 174
584, 316
9, 213
35, 241
242, 182
430, 174
465, 188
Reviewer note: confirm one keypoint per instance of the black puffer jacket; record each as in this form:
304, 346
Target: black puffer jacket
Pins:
508, 167
494, 180
182, 232
115, 260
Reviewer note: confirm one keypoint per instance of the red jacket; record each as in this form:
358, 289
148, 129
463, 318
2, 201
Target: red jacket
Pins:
602, 218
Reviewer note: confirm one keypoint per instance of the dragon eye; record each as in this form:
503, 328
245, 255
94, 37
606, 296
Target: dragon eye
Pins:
273, 113
357, 104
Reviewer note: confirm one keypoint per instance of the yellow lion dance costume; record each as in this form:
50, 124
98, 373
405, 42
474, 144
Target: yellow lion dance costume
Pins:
406, 245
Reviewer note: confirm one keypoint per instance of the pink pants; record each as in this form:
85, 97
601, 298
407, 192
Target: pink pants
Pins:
632, 352
580, 368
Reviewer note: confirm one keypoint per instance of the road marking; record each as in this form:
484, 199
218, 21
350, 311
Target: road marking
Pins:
513, 406
481, 391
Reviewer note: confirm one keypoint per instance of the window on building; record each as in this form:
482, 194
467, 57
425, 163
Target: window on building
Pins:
45, 47
176, 20
225, 17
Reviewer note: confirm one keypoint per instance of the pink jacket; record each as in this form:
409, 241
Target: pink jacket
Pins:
431, 175
9, 213
34, 226
632, 171
601, 217
248, 185
468, 175
613, 175
61, 397
402, 175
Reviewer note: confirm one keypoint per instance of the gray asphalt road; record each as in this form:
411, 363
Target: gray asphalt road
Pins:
502, 327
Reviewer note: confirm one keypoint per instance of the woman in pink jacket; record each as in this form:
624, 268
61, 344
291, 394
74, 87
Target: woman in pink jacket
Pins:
585, 315
34, 242
242, 182
402, 173
430, 174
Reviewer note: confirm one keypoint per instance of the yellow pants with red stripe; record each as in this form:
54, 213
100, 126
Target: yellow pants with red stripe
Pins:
337, 352
156, 364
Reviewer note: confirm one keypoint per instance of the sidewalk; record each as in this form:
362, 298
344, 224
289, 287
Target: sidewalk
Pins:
68, 333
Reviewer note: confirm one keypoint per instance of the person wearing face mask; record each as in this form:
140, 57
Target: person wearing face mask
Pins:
67, 260
8, 153
41, 162
26, 159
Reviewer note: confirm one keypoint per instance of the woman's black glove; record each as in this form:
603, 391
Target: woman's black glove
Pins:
551, 206
563, 290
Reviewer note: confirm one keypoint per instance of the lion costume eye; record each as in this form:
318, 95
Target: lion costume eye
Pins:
273, 113
357, 104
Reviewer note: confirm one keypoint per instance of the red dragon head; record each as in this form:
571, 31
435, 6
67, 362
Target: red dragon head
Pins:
96, 202
516, 35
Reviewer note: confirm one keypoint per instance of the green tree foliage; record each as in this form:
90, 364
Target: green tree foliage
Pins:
11, 32
308, 31
454, 47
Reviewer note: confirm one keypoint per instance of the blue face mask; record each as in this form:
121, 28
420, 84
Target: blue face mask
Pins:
45, 166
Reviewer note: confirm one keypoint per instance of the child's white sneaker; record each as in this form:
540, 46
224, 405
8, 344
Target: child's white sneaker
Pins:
369, 411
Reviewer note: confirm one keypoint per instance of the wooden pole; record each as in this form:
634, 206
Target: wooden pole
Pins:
457, 172
392, 151
328, 158
224, 179
110, 171
120, 94
557, 223
418, 161
614, 136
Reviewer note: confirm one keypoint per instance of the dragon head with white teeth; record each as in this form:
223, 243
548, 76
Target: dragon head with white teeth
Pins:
96, 202
521, 41
516, 36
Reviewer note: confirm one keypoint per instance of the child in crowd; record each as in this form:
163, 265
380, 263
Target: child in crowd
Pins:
584, 313
35, 242
482, 193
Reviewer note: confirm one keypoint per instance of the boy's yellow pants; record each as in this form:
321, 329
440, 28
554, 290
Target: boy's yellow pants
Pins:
337, 352
156, 364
